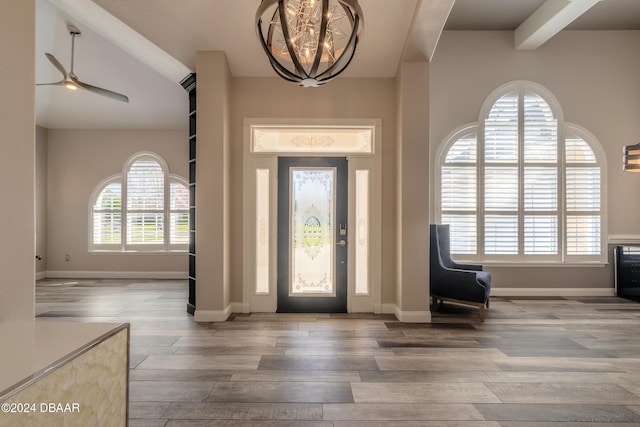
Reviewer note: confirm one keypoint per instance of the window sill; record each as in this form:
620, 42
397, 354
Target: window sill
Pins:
107, 252
521, 264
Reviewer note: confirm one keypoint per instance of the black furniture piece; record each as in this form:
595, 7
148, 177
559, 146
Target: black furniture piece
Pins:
452, 281
627, 272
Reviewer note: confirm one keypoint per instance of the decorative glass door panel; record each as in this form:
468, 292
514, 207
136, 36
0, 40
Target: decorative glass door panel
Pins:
312, 208
312, 234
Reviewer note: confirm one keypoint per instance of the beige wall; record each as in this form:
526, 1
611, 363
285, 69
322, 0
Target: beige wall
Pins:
17, 160
344, 98
213, 186
41, 200
78, 160
594, 76
413, 194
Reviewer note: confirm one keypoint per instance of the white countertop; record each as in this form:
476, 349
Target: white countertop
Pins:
30, 348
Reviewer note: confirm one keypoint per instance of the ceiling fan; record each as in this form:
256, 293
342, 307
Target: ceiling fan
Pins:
70, 80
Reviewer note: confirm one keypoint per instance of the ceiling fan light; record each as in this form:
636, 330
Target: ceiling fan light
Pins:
70, 85
309, 42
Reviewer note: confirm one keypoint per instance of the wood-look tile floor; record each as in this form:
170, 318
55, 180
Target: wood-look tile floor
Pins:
563, 362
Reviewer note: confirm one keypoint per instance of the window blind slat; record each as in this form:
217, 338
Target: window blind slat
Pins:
501, 130
459, 188
462, 233
145, 228
578, 151
463, 150
541, 235
501, 188
179, 216
583, 189
501, 234
583, 235
107, 215
540, 189
145, 185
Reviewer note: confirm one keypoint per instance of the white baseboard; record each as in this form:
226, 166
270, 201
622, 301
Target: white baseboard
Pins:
176, 275
212, 315
552, 292
218, 315
407, 316
41, 275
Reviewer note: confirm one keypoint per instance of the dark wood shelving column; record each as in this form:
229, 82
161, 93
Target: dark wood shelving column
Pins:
189, 84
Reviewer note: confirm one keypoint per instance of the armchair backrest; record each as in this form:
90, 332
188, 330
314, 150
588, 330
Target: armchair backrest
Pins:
436, 264
444, 245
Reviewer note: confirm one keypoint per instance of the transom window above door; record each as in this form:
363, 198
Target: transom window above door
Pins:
521, 185
301, 139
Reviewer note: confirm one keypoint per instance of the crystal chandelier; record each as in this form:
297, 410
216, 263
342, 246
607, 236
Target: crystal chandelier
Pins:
309, 42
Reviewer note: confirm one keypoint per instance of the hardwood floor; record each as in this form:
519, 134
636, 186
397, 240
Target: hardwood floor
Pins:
563, 362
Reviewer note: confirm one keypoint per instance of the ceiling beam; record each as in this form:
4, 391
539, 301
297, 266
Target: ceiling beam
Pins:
548, 20
117, 32
428, 22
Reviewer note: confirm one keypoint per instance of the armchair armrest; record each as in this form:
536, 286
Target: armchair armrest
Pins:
460, 284
472, 267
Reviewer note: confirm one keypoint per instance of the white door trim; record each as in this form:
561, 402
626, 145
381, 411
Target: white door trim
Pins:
267, 302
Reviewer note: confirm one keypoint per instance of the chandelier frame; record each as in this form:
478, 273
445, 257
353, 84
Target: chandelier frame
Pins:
296, 71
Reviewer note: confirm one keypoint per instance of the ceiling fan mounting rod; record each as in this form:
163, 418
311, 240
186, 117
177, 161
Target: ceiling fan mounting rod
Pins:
75, 32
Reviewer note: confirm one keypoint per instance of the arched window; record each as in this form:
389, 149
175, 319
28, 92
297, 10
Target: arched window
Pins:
144, 209
521, 185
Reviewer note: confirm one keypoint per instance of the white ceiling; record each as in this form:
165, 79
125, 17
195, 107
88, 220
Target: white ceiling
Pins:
112, 55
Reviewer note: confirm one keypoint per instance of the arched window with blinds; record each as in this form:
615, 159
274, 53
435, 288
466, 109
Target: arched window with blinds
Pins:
144, 209
520, 185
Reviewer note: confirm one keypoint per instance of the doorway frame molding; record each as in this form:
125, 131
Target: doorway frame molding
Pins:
251, 162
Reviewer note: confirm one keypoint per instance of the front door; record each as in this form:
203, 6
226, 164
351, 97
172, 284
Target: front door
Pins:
312, 234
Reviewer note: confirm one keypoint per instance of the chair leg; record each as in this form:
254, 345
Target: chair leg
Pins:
487, 303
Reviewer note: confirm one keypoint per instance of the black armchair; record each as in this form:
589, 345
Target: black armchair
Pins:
454, 282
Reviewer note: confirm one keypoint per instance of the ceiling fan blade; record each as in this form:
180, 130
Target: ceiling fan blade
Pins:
56, 64
60, 83
104, 92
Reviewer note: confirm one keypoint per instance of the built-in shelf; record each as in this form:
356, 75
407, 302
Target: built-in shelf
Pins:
189, 84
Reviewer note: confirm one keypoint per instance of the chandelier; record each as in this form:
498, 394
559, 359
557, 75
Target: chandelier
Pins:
631, 158
309, 42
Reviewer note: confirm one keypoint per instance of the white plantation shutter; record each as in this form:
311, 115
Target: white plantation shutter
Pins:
540, 189
583, 235
107, 215
540, 131
583, 199
145, 203
459, 188
501, 189
501, 131
501, 178
541, 234
501, 234
464, 150
525, 194
179, 213
578, 151
463, 233
459, 193
540, 170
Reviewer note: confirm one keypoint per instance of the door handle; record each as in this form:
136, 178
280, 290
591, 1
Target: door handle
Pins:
342, 243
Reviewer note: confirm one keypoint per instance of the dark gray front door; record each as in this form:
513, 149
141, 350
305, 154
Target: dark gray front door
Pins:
312, 234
